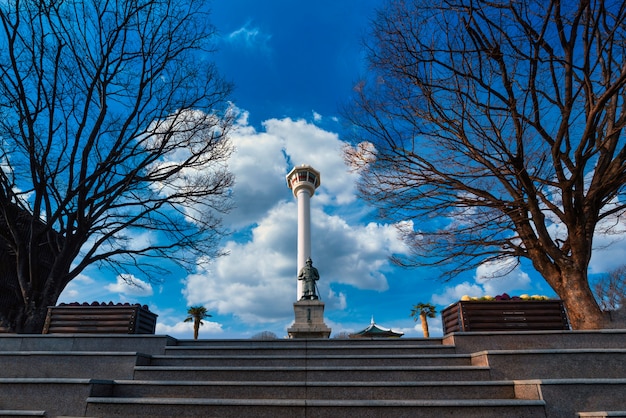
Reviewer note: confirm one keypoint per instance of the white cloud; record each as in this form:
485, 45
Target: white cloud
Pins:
435, 328
82, 289
608, 253
489, 280
92, 288
185, 329
489, 277
306, 143
353, 254
257, 281
258, 164
337, 300
317, 117
609, 244
251, 38
192, 130
129, 285
178, 330
609, 240
454, 293
253, 282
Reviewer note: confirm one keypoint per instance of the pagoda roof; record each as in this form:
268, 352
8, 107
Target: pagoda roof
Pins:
375, 330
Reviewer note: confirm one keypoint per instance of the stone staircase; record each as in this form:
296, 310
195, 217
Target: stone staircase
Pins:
527, 374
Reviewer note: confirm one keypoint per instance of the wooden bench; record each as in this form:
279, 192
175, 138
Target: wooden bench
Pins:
99, 319
504, 316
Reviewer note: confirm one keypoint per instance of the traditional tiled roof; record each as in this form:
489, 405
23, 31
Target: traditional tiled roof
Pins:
374, 330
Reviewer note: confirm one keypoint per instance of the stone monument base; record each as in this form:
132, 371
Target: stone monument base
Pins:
309, 321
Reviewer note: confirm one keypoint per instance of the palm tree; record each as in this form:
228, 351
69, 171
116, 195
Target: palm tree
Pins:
423, 311
196, 314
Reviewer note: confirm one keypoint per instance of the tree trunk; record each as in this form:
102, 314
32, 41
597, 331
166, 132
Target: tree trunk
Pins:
16, 318
29, 318
33, 320
424, 320
196, 328
583, 311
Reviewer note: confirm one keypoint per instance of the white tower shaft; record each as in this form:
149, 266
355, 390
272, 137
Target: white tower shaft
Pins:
304, 233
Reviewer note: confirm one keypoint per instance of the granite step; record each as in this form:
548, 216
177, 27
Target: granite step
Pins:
301, 360
44, 394
272, 408
553, 363
312, 343
315, 350
70, 364
567, 397
356, 373
147, 344
313, 390
487, 375
471, 342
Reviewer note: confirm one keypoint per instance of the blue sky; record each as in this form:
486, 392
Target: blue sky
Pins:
294, 64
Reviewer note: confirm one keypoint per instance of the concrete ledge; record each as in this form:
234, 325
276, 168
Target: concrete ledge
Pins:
70, 364
470, 342
58, 397
553, 363
567, 397
149, 344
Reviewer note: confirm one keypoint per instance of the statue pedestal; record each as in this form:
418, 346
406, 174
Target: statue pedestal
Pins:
309, 320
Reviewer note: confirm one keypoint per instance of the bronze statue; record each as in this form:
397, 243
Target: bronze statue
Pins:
309, 274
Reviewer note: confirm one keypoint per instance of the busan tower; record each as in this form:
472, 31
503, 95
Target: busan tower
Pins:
308, 308
303, 180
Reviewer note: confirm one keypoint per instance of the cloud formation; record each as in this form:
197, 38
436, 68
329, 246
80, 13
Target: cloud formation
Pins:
488, 280
129, 285
257, 281
185, 329
250, 37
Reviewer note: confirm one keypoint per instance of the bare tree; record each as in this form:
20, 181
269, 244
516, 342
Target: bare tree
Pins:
610, 289
496, 130
114, 144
